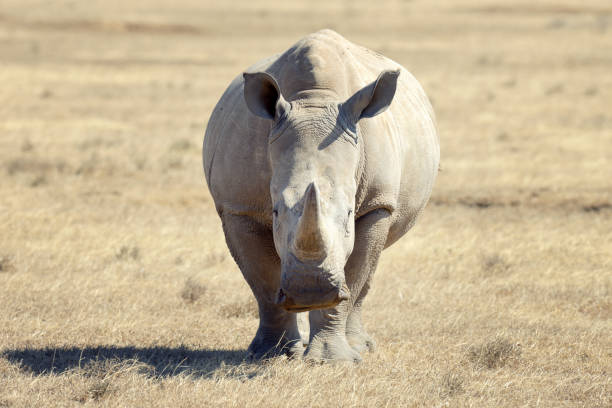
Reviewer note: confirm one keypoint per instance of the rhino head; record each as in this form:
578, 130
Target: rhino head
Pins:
316, 161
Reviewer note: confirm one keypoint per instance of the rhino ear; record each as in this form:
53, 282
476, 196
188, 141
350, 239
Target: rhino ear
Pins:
262, 95
374, 98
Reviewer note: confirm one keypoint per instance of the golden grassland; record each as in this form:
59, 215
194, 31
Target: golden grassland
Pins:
117, 289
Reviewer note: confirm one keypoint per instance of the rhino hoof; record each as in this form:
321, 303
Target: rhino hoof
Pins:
335, 349
361, 342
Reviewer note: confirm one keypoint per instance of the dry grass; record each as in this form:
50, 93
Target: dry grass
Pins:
117, 289
192, 290
240, 309
494, 354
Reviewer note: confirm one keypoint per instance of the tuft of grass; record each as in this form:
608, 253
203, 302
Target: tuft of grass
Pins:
554, 89
591, 91
174, 163
27, 165
88, 165
244, 309
595, 208
6, 264
98, 389
128, 252
494, 354
480, 203
27, 146
181, 145
213, 259
103, 373
192, 291
556, 23
38, 181
46, 94
494, 264
597, 308
100, 373
502, 136
488, 60
96, 143
451, 385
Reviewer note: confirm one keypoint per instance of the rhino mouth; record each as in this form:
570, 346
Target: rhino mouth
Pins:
309, 302
298, 309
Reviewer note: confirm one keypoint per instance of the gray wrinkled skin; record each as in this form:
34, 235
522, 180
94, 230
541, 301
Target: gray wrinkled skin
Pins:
318, 159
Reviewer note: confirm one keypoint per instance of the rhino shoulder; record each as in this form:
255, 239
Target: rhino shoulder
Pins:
235, 155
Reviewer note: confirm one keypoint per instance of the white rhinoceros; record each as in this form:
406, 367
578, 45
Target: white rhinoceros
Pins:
317, 159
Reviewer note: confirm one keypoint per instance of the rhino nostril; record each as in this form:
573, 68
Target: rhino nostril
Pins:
344, 293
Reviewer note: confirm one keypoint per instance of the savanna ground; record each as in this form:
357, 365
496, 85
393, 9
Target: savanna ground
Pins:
116, 287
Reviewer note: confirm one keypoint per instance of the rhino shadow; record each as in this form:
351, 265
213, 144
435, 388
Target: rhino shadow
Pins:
153, 361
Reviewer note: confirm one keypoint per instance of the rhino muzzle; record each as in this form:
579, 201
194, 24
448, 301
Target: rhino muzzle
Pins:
310, 279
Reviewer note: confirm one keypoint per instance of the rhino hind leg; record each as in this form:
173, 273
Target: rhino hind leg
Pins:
252, 247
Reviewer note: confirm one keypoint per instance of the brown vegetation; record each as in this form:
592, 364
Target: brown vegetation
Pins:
117, 289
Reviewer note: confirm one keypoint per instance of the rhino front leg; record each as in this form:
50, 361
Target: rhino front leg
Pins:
371, 233
357, 336
337, 333
328, 340
252, 247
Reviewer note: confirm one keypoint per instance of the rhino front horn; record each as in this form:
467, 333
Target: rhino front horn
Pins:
309, 243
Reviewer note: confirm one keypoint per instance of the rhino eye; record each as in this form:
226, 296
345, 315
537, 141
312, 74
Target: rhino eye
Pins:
275, 219
346, 223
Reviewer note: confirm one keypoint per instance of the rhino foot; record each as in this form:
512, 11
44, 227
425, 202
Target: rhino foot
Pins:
356, 335
330, 349
269, 344
361, 341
